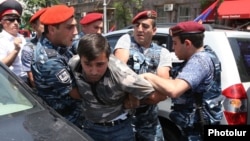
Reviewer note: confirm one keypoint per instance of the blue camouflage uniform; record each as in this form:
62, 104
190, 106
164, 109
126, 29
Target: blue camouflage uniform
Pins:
141, 60
202, 72
54, 79
27, 54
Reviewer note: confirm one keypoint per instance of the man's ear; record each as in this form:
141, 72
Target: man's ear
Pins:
51, 28
187, 42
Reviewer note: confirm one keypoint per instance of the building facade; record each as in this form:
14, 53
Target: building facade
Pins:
169, 11
173, 11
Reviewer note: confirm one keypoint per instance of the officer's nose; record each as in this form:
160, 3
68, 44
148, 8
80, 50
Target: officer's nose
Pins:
75, 31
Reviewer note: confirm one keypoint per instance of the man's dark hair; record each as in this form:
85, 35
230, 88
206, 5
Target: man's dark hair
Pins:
92, 45
154, 23
195, 38
46, 28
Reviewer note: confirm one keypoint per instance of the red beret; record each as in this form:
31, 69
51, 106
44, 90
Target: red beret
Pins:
186, 27
57, 14
37, 15
91, 17
10, 7
144, 15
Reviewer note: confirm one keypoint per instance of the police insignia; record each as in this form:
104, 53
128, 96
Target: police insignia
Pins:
149, 14
63, 76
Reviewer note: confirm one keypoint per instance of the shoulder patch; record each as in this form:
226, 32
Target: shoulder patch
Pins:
63, 76
51, 52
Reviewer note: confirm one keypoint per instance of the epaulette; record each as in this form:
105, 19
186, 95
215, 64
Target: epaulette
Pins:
50, 52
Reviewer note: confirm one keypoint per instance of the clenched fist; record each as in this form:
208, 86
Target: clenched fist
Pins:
154, 98
17, 43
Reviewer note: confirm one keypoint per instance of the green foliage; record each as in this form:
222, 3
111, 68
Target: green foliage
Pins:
122, 14
31, 7
125, 11
205, 3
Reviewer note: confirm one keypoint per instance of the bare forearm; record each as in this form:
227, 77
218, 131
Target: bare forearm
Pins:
169, 87
8, 60
156, 81
122, 54
154, 98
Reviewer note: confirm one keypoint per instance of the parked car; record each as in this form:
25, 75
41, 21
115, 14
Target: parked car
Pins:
26, 117
233, 50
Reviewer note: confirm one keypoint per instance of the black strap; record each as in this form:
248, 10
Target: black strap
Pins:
201, 122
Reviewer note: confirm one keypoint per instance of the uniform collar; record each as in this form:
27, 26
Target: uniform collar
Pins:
34, 40
48, 44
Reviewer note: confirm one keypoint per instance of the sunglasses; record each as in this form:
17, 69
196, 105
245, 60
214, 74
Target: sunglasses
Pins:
13, 20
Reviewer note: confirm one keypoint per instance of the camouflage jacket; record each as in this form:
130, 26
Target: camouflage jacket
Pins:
103, 101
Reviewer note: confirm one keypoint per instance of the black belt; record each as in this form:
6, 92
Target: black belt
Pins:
178, 107
142, 109
111, 123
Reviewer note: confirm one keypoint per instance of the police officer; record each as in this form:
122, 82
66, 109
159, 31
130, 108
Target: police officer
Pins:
90, 23
53, 78
27, 52
11, 42
142, 55
103, 82
196, 89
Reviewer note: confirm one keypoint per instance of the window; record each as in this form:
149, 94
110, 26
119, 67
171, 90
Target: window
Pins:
241, 51
184, 13
12, 97
161, 15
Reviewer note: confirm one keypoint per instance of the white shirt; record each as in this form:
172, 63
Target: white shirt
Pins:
6, 46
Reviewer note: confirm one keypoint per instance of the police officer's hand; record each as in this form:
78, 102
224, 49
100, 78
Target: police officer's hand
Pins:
154, 98
131, 102
17, 43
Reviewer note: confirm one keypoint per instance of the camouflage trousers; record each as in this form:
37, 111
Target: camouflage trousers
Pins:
147, 125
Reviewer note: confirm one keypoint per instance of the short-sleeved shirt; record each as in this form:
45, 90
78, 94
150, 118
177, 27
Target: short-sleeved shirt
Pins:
7, 46
155, 56
27, 54
198, 72
54, 80
103, 101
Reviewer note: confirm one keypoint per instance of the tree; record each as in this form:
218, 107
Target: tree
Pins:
125, 10
31, 6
